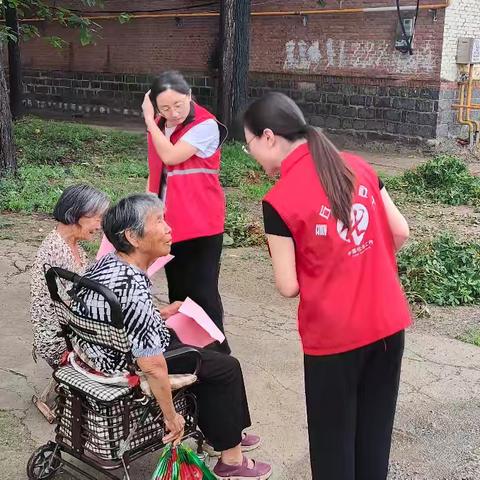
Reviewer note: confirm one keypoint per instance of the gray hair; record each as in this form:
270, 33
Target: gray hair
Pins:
129, 213
79, 201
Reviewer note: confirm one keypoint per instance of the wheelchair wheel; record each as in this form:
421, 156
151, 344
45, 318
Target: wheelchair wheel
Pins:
44, 462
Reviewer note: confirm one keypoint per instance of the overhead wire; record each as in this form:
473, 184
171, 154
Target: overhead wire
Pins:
140, 11
408, 39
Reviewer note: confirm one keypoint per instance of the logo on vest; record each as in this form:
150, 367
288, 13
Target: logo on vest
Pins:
359, 220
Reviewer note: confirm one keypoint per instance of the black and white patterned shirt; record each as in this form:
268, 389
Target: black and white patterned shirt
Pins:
146, 330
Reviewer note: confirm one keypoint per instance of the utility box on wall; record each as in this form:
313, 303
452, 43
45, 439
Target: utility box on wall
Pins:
468, 50
401, 42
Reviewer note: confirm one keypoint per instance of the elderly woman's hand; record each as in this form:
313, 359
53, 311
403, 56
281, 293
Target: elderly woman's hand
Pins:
175, 427
170, 310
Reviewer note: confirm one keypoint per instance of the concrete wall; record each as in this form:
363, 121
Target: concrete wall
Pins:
462, 19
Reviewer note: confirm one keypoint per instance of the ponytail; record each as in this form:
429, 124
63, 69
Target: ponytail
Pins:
336, 177
284, 117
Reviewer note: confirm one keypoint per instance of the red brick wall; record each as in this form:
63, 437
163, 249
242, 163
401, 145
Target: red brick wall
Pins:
352, 45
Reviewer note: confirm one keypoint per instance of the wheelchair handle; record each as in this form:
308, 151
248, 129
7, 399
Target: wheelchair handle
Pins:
116, 315
185, 351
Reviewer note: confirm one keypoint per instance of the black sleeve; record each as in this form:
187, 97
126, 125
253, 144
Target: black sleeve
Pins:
274, 224
380, 183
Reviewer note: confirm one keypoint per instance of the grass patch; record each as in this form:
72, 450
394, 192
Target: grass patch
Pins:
442, 271
256, 191
243, 231
471, 336
91, 247
43, 142
53, 155
37, 188
444, 179
238, 167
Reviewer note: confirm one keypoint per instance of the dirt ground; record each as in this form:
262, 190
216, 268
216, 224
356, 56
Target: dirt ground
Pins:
437, 429
437, 433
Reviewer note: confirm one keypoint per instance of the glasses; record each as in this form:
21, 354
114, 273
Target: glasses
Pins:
246, 147
177, 106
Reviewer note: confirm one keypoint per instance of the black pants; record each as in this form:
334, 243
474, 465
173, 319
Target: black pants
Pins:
222, 400
351, 401
194, 273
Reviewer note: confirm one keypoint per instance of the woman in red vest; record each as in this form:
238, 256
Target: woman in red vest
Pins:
333, 232
184, 142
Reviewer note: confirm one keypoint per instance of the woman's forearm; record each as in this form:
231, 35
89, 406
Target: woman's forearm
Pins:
161, 390
156, 370
162, 145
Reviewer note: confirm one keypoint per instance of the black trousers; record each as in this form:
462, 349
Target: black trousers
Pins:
351, 401
222, 400
194, 273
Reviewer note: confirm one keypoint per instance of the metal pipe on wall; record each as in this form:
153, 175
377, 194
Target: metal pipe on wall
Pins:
469, 104
334, 11
461, 110
465, 108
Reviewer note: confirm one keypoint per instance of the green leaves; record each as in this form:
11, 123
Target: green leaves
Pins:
51, 12
6, 34
445, 179
242, 231
56, 42
124, 18
86, 36
442, 271
28, 31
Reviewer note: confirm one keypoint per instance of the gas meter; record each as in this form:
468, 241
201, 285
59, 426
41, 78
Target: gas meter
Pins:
468, 51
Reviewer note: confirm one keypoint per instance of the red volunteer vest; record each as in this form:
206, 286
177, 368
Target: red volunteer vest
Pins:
350, 294
194, 202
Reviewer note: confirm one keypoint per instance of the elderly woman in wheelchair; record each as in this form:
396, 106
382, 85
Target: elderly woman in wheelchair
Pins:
114, 330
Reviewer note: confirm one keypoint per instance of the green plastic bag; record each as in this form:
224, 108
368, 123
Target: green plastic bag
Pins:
181, 463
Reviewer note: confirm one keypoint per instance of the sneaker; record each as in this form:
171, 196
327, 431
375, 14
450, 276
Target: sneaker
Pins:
259, 471
249, 442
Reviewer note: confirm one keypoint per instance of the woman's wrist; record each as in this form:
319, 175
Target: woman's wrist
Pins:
170, 415
150, 123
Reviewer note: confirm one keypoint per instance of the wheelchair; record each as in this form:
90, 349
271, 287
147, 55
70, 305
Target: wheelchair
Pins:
102, 426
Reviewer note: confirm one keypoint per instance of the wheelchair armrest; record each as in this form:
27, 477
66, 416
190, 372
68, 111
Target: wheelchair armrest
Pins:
185, 351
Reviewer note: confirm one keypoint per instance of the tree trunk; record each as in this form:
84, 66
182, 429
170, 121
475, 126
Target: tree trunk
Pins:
15, 64
234, 61
8, 159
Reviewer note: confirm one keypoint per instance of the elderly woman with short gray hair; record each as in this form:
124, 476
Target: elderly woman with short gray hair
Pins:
78, 213
137, 229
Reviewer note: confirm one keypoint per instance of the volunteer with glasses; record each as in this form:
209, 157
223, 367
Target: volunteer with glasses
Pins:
184, 141
333, 231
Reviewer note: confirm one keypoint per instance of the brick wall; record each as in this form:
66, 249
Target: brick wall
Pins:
101, 93
342, 69
367, 108
356, 44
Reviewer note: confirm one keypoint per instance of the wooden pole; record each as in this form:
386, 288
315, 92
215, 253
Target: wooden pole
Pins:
8, 159
234, 61
14, 63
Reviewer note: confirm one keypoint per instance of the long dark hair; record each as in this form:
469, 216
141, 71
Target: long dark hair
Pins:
169, 80
282, 115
